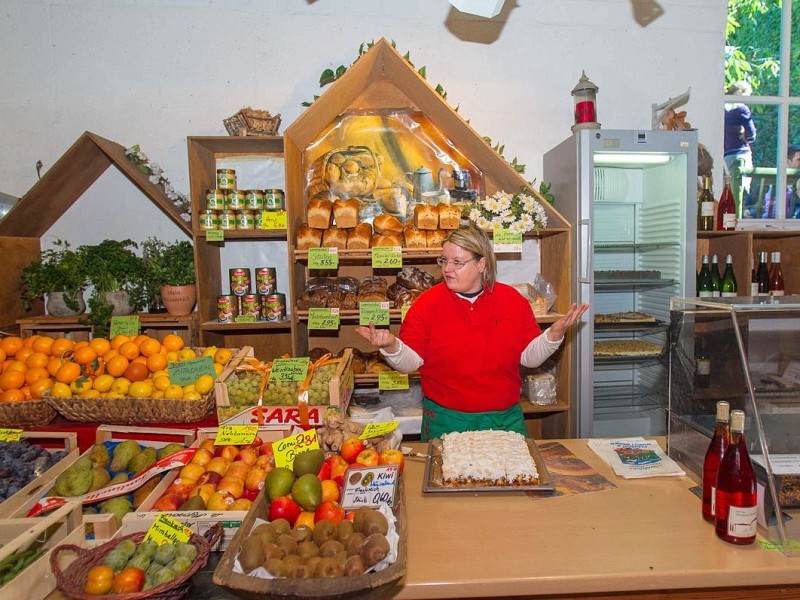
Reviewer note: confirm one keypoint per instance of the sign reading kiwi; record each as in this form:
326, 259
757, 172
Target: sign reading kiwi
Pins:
369, 486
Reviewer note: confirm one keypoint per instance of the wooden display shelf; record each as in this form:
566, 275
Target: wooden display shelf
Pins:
248, 234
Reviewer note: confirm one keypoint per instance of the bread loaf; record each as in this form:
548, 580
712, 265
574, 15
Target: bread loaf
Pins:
386, 240
334, 237
360, 236
413, 278
435, 237
414, 238
449, 216
308, 237
385, 223
345, 213
425, 217
319, 213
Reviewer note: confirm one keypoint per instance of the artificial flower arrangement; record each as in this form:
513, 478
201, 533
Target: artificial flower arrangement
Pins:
519, 213
156, 175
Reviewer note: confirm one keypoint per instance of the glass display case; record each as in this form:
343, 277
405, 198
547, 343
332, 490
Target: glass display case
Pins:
743, 350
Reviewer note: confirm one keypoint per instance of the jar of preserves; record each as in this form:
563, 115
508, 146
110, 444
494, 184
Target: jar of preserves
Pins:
234, 200
245, 219
215, 199
209, 219
226, 179
254, 200
227, 220
274, 200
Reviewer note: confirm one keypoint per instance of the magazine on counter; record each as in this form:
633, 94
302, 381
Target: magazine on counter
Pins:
636, 457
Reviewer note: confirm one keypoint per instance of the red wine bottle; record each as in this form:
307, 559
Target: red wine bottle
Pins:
726, 209
776, 287
737, 498
714, 454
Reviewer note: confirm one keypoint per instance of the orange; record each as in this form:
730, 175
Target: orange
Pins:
43, 344
116, 365
149, 346
37, 359
12, 380
100, 345
60, 390
84, 355
60, 346
16, 365
140, 359
39, 387
156, 362
136, 371
118, 340
129, 350
36, 373
11, 344
23, 353
28, 342
330, 490
2, 356
53, 364
26, 391
81, 344
172, 342
12, 396
68, 372
140, 338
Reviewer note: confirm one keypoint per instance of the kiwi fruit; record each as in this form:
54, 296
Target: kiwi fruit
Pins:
324, 531
354, 543
341, 557
358, 518
354, 565
344, 529
287, 542
281, 526
292, 561
375, 549
272, 550
300, 572
328, 567
251, 553
266, 532
374, 522
275, 567
311, 563
302, 533
307, 549
331, 548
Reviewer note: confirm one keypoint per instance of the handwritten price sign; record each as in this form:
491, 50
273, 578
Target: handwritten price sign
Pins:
125, 325
323, 258
166, 530
376, 312
215, 235
273, 219
387, 257
289, 369
289, 447
506, 241
187, 372
235, 435
10, 435
323, 318
392, 380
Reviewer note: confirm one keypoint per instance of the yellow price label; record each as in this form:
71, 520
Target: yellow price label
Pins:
289, 447
215, 235
10, 435
387, 257
323, 318
166, 530
235, 435
506, 241
289, 369
273, 219
374, 312
323, 258
124, 325
372, 430
392, 380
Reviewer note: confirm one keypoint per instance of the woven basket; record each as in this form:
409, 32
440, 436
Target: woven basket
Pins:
132, 411
328, 175
21, 415
251, 121
72, 580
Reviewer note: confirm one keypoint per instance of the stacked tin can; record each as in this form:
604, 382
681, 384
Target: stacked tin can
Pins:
258, 298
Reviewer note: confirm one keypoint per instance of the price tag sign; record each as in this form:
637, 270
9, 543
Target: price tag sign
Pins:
273, 219
323, 318
215, 235
404, 312
166, 530
10, 435
387, 257
289, 369
246, 319
187, 372
506, 241
286, 449
376, 312
372, 430
127, 325
323, 258
235, 435
392, 380
369, 486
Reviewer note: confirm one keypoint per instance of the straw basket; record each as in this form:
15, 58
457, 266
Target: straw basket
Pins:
71, 581
250, 121
21, 415
132, 411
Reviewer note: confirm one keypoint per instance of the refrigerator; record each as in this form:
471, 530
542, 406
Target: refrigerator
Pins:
630, 196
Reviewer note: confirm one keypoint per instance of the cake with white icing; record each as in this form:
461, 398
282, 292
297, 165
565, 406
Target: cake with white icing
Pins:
487, 458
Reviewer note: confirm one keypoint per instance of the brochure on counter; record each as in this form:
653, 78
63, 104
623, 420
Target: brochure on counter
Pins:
636, 457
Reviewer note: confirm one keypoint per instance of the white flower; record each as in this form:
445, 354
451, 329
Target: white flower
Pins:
517, 212
504, 202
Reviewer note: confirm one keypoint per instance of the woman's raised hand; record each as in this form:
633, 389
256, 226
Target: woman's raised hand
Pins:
380, 338
557, 330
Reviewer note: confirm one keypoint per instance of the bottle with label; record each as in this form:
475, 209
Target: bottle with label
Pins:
736, 498
753, 280
716, 278
726, 209
776, 276
713, 458
729, 287
705, 206
704, 279
762, 275
702, 366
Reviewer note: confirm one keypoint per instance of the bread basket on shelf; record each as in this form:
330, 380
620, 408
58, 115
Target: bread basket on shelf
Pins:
22, 415
345, 172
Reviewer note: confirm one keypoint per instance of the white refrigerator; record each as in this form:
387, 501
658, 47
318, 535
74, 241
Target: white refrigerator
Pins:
630, 196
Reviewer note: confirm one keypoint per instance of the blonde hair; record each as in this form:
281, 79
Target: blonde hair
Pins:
473, 239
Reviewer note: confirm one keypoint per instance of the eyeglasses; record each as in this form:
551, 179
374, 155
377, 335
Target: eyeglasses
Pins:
457, 264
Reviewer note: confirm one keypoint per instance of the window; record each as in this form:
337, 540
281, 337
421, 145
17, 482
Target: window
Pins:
762, 107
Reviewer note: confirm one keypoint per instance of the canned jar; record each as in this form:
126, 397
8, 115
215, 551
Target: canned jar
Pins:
266, 280
254, 200
227, 219
226, 179
209, 219
245, 219
234, 200
227, 308
250, 306
273, 307
215, 199
274, 200
239, 279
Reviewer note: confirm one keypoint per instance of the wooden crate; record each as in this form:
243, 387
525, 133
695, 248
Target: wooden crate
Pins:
50, 441
199, 521
340, 389
62, 526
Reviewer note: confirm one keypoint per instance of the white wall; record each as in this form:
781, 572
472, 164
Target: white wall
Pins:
153, 72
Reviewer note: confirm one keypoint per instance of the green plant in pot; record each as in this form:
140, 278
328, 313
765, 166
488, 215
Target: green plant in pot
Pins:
170, 267
61, 275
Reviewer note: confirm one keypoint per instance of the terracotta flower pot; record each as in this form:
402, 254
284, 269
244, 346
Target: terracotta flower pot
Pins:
56, 306
179, 300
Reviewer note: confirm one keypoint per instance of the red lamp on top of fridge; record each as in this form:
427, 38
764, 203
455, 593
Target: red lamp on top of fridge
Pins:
585, 94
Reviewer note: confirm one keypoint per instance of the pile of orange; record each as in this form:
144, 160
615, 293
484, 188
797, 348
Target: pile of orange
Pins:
119, 367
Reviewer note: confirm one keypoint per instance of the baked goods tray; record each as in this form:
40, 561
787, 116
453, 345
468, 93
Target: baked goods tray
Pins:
630, 326
432, 481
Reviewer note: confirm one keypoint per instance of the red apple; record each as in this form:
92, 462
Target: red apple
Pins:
284, 507
392, 457
329, 511
210, 477
338, 469
324, 471
249, 494
368, 458
266, 448
256, 443
255, 478
168, 502
351, 448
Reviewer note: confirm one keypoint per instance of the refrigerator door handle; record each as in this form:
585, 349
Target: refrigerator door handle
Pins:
585, 245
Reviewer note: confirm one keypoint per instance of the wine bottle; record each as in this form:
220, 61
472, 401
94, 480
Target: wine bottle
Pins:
704, 280
729, 287
716, 279
776, 276
753, 280
726, 209
714, 454
705, 206
762, 275
736, 499
702, 366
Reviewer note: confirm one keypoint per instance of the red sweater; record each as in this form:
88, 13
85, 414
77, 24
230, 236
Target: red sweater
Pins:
471, 350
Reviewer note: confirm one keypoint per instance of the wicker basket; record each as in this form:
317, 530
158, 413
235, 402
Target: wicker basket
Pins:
328, 174
250, 121
22, 415
132, 411
72, 580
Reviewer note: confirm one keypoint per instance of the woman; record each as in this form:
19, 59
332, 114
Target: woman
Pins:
467, 337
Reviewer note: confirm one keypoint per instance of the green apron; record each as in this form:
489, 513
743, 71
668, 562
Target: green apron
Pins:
437, 420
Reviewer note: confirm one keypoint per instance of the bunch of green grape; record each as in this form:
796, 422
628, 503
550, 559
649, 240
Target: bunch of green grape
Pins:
318, 390
243, 388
